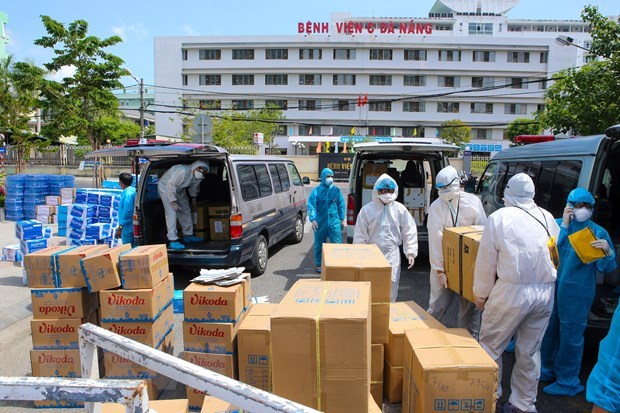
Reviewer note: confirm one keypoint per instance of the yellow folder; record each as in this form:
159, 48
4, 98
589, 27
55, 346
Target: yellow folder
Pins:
581, 241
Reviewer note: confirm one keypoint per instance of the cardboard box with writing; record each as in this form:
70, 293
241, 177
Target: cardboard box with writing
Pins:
58, 334
213, 303
52, 303
219, 211
219, 228
160, 406
460, 248
223, 364
41, 267
320, 340
144, 266
371, 172
254, 347
151, 333
206, 337
136, 305
214, 405
447, 370
116, 366
101, 270
376, 373
69, 266
55, 363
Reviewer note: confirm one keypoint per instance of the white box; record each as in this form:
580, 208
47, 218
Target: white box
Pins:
414, 197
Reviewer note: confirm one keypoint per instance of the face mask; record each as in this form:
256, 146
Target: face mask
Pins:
582, 214
198, 175
449, 193
329, 181
387, 198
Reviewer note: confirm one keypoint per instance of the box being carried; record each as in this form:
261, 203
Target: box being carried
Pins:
144, 266
460, 248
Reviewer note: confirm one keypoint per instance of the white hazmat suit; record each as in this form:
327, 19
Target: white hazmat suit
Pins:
453, 208
388, 225
516, 276
173, 187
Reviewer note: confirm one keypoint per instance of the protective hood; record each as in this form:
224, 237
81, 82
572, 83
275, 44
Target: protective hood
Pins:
520, 191
580, 195
446, 176
325, 173
197, 164
384, 181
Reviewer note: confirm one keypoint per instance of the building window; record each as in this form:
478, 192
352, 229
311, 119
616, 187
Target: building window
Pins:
414, 80
210, 104
184, 80
413, 132
518, 57
344, 54
309, 130
483, 56
449, 55
542, 84
276, 80
480, 29
308, 105
310, 80
184, 54
448, 107
247, 80
242, 104
380, 106
540, 107
243, 54
480, 107
345, 106
380, 80
415, 55
448, 81
344, 80
310, 54
380, 54
516, 82
515, 108
544, 57
380, 131
483, 134
210, 80
276, 54
414, 106
282, 104
478, 81
211, 54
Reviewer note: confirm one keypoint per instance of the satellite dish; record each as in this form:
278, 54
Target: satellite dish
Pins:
202, 128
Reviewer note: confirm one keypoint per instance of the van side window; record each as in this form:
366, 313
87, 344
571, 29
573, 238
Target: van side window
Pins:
286, 184
275, 179
294, 174
248, 181
264, 182
565, 179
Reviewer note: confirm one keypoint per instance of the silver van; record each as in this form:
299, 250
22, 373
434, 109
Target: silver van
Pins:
246, 204
558, 167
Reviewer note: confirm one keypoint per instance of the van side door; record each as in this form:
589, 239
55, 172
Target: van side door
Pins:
284, 207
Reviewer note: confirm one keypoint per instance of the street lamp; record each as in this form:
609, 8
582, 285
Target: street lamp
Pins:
568, 41
142, 108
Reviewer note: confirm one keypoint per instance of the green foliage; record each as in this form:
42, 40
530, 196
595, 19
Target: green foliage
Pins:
235, 128
455, 131
116, 130
522, 126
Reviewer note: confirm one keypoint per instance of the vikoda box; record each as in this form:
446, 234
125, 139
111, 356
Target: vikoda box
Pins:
101, 270
52, 303
212, 303
144, 266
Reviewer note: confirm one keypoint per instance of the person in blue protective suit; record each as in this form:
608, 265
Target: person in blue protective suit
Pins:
125, 211
326, 212
604, 382
562, 347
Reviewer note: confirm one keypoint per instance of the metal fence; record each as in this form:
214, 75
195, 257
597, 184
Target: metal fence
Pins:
479, 164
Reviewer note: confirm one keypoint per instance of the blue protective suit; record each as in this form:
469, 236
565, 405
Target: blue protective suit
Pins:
604, 382
326, 207
125, 215
562, 347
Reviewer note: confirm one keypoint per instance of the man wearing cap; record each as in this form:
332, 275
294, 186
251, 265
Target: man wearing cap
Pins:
388, 224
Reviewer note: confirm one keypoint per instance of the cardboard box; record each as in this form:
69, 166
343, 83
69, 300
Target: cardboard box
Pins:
212, 303
247, 292
376, 373
67, 192
195, 398
447, 370
52, 200
320, 340
144, 266
373, 406
393, 382
219, 211
214, 405
372, 172
55, 363
58, 334
69, 267
219, 228
53, 303
101, 270
200, 217
418, 215
380, 321
206, 337
160, 406
220, 363
53, 404
202, 233
136, 305
41, 267
151, 333
45, 209
460, 248
254, 347
414, 197
116, 366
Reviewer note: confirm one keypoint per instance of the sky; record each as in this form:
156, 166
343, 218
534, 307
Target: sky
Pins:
138, 22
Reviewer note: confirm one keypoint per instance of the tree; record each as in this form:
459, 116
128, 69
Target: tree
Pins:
522, 126
585, 101
81, 104
20, 84
234, 128
455, 131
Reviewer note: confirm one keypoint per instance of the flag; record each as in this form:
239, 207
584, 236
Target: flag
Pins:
365, 100
291, 131
352, 131
331, 131
318, 147
415, 132
336, 147
374, 131
393, 132
344, 150
310, 131
327, 147
359, 100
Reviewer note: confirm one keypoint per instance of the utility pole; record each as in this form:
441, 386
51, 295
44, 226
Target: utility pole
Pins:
142, 110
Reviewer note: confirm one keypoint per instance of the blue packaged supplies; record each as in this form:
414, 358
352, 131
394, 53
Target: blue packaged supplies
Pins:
29, 229
82, 211
97, 231
29, 246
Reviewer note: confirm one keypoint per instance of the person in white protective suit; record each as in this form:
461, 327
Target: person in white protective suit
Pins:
388, 224
173, 187
453, 208
514, 282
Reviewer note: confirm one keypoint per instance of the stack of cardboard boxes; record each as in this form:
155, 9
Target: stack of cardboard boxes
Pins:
46, 214
212, 221
212, 315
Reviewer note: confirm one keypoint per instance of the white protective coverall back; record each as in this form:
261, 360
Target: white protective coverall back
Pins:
515, 274
387, 226
172, 187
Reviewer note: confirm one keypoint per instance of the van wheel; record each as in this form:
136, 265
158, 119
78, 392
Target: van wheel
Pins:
259, 259
298, 231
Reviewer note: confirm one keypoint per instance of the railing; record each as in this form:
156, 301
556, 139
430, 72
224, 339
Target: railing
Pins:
479, 164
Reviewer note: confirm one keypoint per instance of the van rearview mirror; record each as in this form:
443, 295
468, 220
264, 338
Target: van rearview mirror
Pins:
305, 180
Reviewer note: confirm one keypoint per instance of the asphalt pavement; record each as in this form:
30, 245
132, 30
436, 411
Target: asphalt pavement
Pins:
287, 264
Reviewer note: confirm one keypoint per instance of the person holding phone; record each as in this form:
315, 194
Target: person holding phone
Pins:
562, 347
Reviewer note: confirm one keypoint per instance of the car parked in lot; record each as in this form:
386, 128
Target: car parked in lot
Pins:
246, 204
